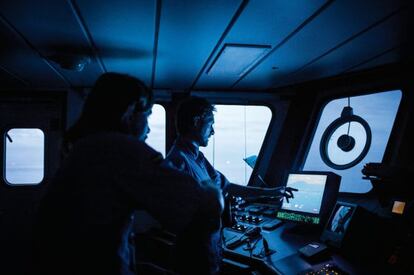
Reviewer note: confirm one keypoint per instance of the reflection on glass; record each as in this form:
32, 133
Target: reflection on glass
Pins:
239, 133
156, 121
24, 156
340, 221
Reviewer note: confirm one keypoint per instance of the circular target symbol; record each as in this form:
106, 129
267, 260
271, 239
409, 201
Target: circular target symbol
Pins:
346, 141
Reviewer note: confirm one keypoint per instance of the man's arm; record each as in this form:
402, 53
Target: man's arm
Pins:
172, 197
175, 199
249, 191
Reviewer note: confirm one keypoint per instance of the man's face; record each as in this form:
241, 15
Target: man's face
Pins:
204, 130
141, 128
136, 122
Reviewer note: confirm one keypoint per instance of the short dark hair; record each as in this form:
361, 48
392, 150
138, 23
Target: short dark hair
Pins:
113, 93
107, 102
190, 108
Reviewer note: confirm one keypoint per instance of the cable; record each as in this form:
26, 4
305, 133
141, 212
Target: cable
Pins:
249, 234
349, 124
265, 246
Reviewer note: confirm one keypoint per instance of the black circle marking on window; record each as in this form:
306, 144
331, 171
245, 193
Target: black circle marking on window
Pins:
345, 142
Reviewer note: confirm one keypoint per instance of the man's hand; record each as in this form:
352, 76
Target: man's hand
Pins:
287, 192
379, 171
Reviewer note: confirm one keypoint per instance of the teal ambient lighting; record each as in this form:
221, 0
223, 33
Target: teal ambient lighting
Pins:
236, 59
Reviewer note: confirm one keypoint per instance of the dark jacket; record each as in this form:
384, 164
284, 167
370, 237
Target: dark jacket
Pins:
84, 218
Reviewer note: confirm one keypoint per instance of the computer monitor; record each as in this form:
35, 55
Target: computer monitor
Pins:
355, 231
315, 198
338, 224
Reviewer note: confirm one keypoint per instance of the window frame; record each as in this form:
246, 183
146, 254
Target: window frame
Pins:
325, 97
237, 99
45, 155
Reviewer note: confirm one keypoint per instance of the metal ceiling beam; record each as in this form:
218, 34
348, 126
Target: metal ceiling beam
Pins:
33, 48
287, 38
370, 59
346, 41
156, 34
25, 82
78, 16
220, 41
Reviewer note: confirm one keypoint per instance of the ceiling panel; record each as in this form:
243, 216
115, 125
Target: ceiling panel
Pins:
123, 32
262, 22
338, 22
370, 44
386, 58
51, 27
20, 60
189, 31
305, 39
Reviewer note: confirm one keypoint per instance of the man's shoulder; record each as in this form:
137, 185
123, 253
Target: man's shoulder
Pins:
176, 158
109, 137
119, 142
176, 154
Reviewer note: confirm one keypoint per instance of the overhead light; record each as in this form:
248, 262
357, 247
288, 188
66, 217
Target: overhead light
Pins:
236, 59
71, 62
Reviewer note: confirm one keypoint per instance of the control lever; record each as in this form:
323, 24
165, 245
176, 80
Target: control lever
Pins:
265, 251
253, 233
233, 244
266, 247
250, 234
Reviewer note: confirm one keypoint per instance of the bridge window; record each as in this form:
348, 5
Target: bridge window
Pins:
379, 111
156, 121
24, 156
239, 134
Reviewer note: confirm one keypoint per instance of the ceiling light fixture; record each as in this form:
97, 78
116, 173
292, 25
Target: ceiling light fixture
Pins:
236, 59
71, 62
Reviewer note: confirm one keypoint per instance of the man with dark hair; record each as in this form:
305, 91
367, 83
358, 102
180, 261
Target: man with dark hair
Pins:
105, 110
194, 124
85, 216
193, 111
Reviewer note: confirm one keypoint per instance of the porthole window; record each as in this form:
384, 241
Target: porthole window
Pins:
24, 156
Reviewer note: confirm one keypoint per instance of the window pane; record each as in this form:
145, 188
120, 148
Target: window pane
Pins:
156, 121
239, 133
379, 111
24, 156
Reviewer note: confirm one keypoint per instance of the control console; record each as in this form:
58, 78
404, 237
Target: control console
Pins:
248, 216
250, 219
